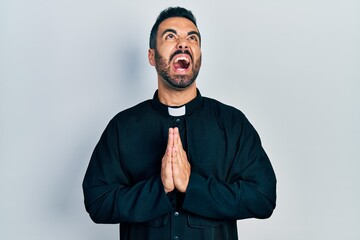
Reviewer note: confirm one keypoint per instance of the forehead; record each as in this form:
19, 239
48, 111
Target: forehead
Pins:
179, 24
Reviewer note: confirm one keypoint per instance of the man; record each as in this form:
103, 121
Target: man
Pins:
178, 166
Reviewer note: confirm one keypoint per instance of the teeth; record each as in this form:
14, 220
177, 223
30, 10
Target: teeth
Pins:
182, 58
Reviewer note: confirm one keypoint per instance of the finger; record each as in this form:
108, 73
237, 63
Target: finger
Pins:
176, 168
166, 172
178, 145
166, 164
170, 143
180, 173
167, 161
177, 139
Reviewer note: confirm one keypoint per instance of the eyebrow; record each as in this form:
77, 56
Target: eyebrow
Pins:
169, 30
194, 32
174, 31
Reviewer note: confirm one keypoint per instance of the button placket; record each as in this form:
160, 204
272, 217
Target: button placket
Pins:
178, 122
178, 222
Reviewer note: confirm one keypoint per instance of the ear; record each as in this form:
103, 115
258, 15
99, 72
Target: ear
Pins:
151, 56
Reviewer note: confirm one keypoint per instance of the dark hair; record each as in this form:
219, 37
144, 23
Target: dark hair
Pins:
169, 13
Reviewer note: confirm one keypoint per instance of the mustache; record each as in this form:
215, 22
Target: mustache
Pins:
181, 52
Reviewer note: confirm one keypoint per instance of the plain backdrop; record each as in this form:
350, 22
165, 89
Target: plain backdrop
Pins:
67, 67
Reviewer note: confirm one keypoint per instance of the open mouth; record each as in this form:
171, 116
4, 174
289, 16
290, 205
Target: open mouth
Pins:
181, 63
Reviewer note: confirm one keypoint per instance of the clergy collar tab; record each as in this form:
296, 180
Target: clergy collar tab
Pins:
176, 111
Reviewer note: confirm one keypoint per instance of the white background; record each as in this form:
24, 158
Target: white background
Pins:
67, 67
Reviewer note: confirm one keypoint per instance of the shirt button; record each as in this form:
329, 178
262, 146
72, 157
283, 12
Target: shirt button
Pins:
176, 214
178, 120
176, 238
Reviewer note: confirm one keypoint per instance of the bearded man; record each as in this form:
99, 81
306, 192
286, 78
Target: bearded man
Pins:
180, 165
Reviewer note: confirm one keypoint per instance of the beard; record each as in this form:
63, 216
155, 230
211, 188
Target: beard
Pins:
178, 81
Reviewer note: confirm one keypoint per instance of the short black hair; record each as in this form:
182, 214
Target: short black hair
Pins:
169, 13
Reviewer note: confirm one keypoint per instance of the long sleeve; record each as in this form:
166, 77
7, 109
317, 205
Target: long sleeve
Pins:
249, 189
111, 196
231, 175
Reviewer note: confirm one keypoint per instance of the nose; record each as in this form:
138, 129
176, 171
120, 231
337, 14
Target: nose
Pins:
182, 44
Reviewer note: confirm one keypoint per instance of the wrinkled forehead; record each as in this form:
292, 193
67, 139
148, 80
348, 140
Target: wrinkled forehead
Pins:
179, 24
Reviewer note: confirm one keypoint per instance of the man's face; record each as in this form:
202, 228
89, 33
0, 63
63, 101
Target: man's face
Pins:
177, 57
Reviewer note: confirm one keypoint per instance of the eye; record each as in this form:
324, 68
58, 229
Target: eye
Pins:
170, 36
193, 38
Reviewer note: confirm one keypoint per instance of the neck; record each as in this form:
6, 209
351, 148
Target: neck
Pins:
174, 97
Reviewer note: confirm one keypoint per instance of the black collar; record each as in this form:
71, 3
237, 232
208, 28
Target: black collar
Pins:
190, 107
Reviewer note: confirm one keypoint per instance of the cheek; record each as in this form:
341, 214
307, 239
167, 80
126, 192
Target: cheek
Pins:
166, 48
197, 54
196, 50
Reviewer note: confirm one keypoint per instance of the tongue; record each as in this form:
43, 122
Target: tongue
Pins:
181, 65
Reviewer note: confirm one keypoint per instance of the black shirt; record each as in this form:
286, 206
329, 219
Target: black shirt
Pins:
231, 175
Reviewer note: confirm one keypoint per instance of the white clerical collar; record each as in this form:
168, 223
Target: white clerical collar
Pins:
177, 112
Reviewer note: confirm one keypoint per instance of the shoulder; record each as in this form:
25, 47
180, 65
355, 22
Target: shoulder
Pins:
135, 112
222, 109
227, 116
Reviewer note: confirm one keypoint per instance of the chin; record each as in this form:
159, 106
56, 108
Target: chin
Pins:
180, 85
